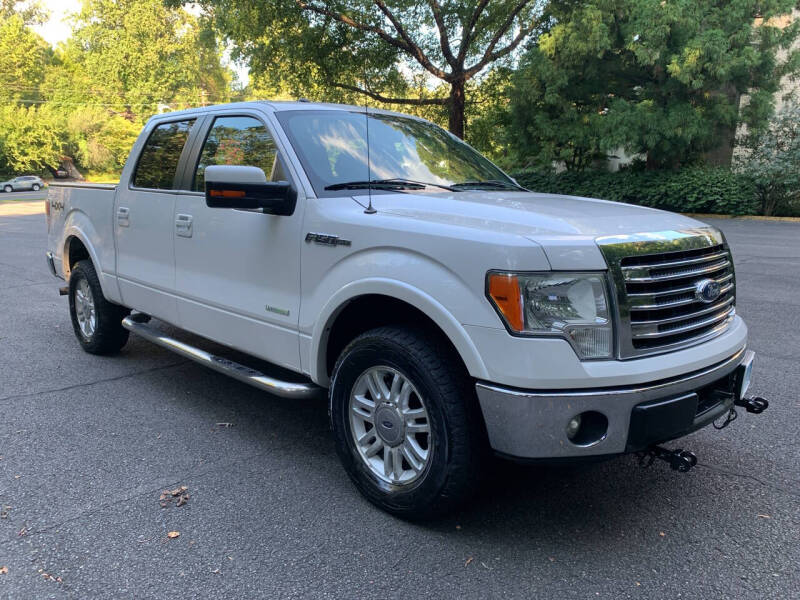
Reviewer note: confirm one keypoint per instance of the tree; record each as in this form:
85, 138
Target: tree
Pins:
31, 11
134, 55
99, 140
771, 156
24, 56
371, 47
30, 139
662, 78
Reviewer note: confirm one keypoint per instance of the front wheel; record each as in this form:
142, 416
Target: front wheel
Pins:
36, 187
8, 189
406, 422
96, 321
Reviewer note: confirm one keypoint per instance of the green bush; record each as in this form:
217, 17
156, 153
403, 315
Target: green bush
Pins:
693, 190
771, 158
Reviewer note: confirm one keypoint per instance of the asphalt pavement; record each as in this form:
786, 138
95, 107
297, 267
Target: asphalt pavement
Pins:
88, 445
27, 196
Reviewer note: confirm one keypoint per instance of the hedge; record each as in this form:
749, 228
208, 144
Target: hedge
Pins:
693, 190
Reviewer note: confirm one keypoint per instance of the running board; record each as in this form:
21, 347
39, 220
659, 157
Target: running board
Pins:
137, 323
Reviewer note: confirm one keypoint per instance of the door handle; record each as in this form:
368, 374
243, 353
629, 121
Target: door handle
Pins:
123, 216
183, 225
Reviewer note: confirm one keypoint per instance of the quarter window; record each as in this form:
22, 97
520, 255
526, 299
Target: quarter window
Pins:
238, 141
158, 161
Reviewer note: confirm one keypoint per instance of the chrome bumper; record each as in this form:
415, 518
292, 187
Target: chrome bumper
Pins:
533, 424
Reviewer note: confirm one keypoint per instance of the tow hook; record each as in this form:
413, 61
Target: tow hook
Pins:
755, 405
679, 460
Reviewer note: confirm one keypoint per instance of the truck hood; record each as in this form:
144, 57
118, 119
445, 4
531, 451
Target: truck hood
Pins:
565, 226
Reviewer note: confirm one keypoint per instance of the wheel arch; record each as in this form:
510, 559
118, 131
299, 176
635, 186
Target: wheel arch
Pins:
368, 304
77, 245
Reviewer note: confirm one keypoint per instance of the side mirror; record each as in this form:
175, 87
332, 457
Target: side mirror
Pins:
229, 186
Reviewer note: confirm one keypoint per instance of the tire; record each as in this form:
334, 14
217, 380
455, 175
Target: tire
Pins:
8, 189
96, 321
36, 187
456, 440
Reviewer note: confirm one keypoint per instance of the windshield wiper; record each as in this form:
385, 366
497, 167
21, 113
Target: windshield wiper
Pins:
397, 183
489, 183
422, 183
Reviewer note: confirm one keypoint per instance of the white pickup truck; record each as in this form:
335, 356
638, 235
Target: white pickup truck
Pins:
446, 310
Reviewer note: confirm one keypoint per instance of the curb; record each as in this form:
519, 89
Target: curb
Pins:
744, 217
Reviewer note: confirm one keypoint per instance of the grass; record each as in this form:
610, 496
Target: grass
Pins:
97, 177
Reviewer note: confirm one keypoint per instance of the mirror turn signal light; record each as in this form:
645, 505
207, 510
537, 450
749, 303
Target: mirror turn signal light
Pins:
226, 193
507, 297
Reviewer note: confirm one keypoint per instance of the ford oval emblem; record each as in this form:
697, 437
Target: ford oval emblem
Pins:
387, 424
707, 290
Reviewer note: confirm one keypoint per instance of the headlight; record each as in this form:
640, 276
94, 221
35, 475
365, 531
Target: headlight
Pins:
570, 305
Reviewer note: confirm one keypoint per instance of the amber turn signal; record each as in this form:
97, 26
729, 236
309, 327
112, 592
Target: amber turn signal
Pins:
226, 193
505, 293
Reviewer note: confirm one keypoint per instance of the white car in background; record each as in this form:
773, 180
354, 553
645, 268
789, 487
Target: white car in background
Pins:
22, 184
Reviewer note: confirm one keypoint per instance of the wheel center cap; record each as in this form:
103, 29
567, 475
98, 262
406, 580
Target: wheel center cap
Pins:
389, 425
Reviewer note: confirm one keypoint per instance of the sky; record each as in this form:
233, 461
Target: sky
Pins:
58, 30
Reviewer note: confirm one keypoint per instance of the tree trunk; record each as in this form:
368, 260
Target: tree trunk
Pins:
456, 105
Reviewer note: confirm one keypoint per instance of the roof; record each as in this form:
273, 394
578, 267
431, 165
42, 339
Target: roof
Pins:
276, 106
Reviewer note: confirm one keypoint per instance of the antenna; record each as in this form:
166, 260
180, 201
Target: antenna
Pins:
370, 210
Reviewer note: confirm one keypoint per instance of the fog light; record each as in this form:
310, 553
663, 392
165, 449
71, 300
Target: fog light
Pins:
587, 428
573, 426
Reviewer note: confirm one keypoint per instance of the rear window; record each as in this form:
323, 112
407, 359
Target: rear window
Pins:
158, 161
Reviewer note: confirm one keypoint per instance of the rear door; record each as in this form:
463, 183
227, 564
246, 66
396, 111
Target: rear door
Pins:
238, 271
144, 212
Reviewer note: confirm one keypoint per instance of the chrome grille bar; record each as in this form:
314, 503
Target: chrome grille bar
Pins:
679, 273
679, 290
690, 327
642, 327
677, 263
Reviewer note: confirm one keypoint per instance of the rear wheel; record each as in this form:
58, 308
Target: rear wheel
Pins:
36, 187
96, 321
8, 189
406, 422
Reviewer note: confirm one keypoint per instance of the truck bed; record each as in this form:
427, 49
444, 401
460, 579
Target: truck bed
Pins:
85, 207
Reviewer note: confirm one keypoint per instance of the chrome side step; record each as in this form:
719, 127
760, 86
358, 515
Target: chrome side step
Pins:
137, 323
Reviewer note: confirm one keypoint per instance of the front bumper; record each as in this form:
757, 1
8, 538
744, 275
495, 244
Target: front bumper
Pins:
533, 424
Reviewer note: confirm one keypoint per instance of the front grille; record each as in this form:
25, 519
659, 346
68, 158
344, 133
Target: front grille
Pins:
660, 296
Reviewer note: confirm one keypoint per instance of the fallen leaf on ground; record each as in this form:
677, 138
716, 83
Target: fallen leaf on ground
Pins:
3, 570
173, 534
764, 516
662, 534
166, 497
224, 424
469, 560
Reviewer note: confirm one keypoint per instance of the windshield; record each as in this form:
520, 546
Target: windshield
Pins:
331, 145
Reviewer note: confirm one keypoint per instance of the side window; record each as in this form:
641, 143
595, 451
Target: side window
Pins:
238, 141
158, 161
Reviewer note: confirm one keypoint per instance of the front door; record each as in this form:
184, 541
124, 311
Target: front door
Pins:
144, 210
238, 271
